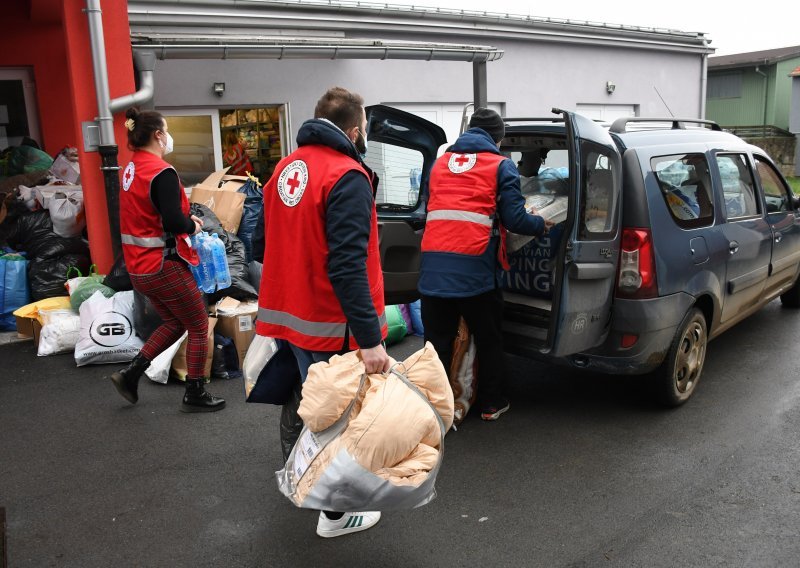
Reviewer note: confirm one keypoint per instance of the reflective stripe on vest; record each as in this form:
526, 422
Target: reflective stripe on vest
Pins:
305, 327
146, 242
456, 215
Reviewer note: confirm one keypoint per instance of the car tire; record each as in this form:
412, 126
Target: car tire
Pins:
677, 378
791, 298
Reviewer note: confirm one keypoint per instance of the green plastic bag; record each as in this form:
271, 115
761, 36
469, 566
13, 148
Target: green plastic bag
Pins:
85, 289
397, 325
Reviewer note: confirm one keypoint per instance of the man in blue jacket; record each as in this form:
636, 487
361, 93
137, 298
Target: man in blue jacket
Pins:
474, 199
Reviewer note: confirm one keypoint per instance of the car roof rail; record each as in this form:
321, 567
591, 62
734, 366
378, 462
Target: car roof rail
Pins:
619, 126
533, 119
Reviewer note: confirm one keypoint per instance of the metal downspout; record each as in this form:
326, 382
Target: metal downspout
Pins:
145, 63
766, 89
704, 81
107, 148
479, 87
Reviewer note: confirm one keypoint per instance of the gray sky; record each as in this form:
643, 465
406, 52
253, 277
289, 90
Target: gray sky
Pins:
732, 27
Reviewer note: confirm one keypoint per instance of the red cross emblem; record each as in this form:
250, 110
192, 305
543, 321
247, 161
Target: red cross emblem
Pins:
292, 183
127, 176
460, 163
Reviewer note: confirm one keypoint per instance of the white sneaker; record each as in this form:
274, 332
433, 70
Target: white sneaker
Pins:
349, 523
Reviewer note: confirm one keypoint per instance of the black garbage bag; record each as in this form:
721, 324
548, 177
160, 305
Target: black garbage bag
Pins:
47, 277
253, 209
33, 233
27, 229
240, 288
118, 278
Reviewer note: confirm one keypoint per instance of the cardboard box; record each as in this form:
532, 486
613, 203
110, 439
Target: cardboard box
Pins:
219, 192
29, 327
237, 321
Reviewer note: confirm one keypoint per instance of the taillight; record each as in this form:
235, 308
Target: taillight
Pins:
637, 266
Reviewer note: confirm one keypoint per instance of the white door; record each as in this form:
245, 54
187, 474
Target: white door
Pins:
18, 113
197, 151
605, 113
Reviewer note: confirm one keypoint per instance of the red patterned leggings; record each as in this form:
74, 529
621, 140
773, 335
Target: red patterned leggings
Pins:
177, 299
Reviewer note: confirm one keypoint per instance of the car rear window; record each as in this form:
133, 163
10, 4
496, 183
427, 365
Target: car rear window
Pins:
686, 188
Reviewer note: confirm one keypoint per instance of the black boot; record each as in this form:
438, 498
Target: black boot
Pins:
197, 399
127, 379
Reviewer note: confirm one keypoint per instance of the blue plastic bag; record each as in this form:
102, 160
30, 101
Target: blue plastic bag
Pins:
253, 209
415, 310
14, 291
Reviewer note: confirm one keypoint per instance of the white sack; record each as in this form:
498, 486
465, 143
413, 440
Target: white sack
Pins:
107, 330
66, 212
60, 332
158, 371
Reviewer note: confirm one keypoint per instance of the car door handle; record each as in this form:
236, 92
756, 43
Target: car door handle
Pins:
778, 237
734, 247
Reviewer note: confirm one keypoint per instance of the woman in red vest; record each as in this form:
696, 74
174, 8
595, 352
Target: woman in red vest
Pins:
235, 155
155, 225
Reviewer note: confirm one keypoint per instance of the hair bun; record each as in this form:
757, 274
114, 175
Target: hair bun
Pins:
132, 112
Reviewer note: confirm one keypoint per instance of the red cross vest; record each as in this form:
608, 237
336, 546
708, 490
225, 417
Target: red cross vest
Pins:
238, 160
296, 298
141, 228
462, 207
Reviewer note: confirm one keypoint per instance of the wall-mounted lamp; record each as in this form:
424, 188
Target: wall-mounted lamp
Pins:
609, 87
219, 89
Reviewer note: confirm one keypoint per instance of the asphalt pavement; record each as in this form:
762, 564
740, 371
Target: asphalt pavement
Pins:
583, 471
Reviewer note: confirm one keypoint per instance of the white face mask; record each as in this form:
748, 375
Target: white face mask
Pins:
169, 145
361, 144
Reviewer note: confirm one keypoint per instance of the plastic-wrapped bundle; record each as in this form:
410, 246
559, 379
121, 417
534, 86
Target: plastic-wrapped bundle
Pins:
60, 332
240, 288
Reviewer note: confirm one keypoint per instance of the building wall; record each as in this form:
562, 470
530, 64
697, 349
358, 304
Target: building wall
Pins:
530, 79
783, 91
764, 100
745, 110
39, 45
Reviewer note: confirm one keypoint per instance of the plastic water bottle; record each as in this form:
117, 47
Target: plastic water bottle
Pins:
222, 273
204, 272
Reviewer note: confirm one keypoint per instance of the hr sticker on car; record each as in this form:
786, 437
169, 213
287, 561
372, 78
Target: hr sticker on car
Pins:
579, 324
460, 163
292, 183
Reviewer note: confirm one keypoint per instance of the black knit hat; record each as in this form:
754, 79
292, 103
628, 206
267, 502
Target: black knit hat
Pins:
488, 120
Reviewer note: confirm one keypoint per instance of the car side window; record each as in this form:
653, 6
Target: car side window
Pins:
686, 188
737, 186
598, 199
776, 194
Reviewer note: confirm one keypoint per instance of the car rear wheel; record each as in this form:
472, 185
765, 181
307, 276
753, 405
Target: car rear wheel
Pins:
678, 376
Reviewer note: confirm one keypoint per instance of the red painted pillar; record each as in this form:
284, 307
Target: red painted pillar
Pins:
84, 107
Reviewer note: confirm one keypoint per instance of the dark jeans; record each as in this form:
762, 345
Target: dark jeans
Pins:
484, 316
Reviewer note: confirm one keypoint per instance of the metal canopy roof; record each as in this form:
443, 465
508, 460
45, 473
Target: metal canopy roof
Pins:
254, 47
369, 20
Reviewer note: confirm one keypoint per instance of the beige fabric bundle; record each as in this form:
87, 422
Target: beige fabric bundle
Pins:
391, 432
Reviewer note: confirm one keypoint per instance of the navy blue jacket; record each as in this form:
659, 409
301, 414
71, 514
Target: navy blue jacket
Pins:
348, 221
453, 275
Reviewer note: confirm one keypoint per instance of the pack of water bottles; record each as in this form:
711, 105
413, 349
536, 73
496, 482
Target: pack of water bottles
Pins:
213, 272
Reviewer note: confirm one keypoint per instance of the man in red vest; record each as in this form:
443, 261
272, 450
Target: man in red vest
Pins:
474, 198
322, 285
